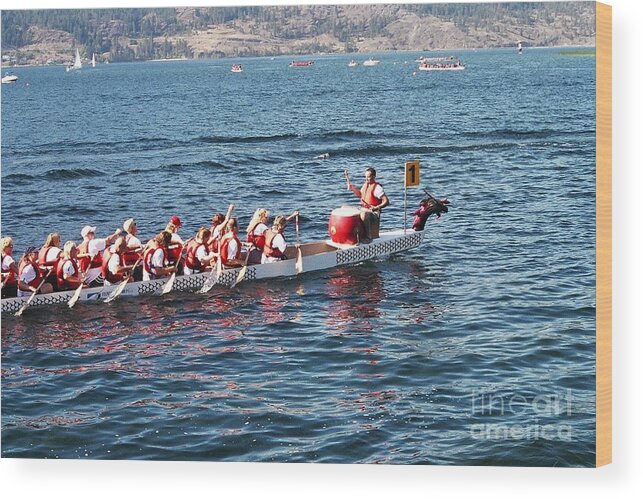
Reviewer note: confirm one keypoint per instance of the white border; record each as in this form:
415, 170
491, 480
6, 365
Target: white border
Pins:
69, 479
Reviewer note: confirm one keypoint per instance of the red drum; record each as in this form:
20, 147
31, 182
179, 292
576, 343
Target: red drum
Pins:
345, 226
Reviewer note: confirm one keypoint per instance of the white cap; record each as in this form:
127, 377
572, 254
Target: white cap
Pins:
128, 223
86, 230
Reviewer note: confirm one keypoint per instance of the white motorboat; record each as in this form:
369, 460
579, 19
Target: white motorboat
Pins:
353, 63
371, 62
9, 78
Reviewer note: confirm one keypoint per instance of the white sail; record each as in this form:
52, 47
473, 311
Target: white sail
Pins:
77, 63
93, 60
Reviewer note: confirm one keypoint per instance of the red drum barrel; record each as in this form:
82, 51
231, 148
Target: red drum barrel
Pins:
345, 226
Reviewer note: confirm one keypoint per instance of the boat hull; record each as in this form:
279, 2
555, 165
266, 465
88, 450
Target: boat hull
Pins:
316, 256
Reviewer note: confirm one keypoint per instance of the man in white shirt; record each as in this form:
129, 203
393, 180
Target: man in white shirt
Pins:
92, 247
372, 200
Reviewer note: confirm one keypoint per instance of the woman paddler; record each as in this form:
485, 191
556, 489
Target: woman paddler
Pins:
90, 252
49, 255
175, 247
10, 269
198, 255
114, 266
68, 269
217, 228
31, 275
155, 262
274, 248
230, 246
256, 235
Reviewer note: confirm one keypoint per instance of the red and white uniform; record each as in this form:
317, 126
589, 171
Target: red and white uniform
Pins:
111, 262
257, 235
230, 248
372, 194
66, 268
7, 261
274, 248
29, 274
154, 258
47, 257
92, 264
195, 253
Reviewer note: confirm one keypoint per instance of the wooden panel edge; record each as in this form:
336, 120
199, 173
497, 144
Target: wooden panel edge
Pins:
603, 234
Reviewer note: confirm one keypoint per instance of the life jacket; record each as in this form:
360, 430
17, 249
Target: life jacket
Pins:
36, 281
42, 257
368, 196
87, 262
223, 247
62, 284
107, 275
191, 261
11, 278
173, 252
268, 250
257, 241
130, 256
147, 258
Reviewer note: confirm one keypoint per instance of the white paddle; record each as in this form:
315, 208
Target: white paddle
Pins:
72, 301
299, 263
33, 295
117, 292
242, 273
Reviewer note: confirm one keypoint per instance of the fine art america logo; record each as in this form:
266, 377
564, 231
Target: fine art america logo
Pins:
539, 416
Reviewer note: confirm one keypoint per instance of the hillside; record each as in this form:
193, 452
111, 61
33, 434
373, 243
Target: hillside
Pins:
50, 36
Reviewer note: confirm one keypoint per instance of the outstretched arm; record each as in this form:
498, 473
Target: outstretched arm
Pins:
350, 186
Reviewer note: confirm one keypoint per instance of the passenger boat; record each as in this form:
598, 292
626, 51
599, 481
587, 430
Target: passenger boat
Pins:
300, 64
320, 255
237, 68
449, 64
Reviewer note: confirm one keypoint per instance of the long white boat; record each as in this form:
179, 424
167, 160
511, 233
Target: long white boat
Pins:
320, 255
9, 78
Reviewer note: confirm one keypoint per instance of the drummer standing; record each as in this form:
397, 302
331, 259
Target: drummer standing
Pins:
373, 199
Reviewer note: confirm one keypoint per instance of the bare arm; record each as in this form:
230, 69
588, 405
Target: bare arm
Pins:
351, 187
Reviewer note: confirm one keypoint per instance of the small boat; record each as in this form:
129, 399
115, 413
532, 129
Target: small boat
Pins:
77, 63
300, 64
9, 78
93, 60
520, 48
353, 63
237, 68
450, 64
371, 62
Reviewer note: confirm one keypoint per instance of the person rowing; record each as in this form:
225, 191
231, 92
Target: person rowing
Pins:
10, 269
155, 261
67, 270
230, 246
198, 255
256, 235
30, 275
175, 247
217, 228
49, 255
114, 267
372, 200
134, 247
90, 252
274, 248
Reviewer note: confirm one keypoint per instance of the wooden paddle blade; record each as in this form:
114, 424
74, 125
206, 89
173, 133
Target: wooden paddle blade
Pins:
167, 287
76, 296
241, 276
22, 309
299, 264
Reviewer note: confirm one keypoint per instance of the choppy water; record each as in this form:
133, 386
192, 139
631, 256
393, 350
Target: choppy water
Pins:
416, 359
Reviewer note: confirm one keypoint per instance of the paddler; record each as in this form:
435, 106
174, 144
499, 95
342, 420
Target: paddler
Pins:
114, 266
49, 255
155, 262
274, 248
230, 246
90, 252
31, 275
68, 269
372, 200
256, 235
10, 269
175, 247
198, 256
217, 228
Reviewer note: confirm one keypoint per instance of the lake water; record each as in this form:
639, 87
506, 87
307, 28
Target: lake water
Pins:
477, 348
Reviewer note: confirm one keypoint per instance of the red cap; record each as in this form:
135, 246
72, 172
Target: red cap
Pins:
174, 220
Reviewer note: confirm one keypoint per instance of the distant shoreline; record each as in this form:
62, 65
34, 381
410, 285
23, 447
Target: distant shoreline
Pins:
579, 51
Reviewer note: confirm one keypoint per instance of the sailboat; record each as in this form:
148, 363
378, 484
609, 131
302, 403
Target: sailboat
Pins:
77, 64
520, 48
93, 60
